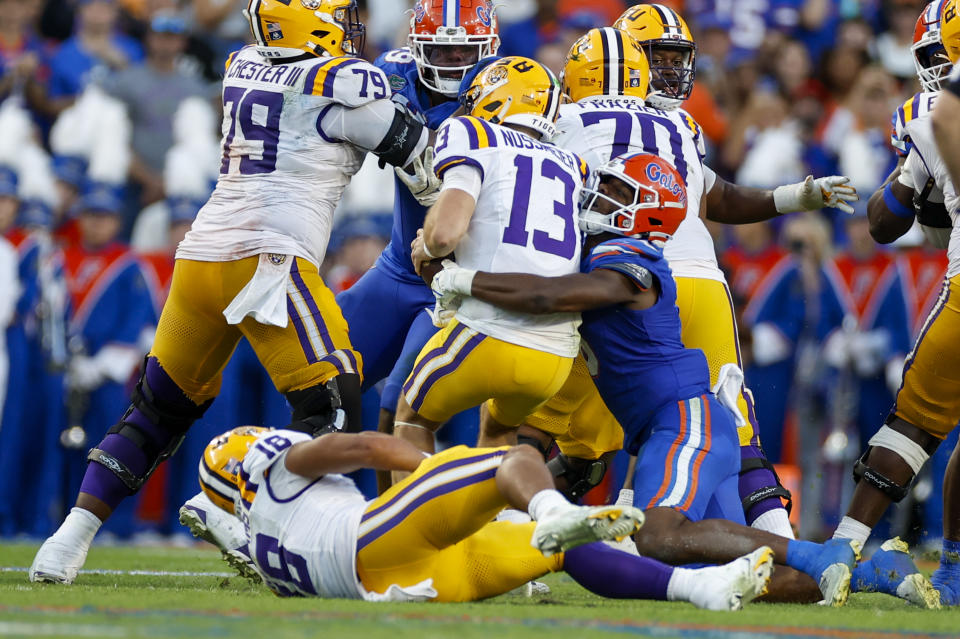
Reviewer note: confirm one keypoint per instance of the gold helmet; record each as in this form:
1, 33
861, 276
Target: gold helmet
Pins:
659, 27
220, 464
950, 30
516, 90
605, 61
290, 28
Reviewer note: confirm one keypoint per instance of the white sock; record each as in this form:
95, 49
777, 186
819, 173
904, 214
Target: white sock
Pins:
547, 501
775, 521
681, 584
850, 528
513, 515
625, 498
79, 528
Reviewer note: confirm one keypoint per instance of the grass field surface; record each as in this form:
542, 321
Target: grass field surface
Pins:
175, 592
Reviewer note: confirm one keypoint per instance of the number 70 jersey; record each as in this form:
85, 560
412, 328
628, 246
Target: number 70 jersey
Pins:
281, 174
525, 221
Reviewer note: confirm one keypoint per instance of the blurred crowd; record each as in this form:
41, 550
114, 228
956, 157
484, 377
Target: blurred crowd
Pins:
109, 145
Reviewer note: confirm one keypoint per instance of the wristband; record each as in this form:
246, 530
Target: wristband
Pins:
427, 252
896, 206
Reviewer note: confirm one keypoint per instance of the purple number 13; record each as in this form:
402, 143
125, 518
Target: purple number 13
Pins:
516, 231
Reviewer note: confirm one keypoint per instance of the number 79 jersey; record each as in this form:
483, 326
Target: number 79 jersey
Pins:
281, 175
525, 221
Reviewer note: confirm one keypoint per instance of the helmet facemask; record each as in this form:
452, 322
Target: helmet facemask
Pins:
670, 83
931, 61
443, 59
611, 202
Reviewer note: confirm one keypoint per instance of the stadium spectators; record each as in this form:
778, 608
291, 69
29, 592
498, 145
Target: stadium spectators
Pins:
784, 88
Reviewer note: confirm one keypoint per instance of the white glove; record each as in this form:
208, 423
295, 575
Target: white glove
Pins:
836, 349
424, 185
452, 281
812, 194
84, 373
443, 314
769, 344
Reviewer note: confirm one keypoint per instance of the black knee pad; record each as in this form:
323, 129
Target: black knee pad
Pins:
171, 417
580, 474
884, 484
766, 492
334, 406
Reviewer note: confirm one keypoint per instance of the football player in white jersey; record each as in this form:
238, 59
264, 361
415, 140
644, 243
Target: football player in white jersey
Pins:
430, 537
300, 111
927, 406
508, 203
611, 116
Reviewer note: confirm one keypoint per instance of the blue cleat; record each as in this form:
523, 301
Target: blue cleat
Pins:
833, 569
947, 587
891, 571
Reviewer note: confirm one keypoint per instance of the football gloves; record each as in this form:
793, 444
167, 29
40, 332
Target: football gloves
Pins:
449, 287
816, 193
424, 185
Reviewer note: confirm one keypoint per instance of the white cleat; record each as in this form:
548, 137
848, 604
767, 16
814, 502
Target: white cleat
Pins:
209, 522
57, 562
732, 585
581, 525
835, 585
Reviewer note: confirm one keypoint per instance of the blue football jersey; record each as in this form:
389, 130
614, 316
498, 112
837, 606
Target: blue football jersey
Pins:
408, 214
642, 362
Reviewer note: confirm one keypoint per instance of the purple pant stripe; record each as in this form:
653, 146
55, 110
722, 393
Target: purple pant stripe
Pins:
456, 463
439, 491
446, 369
312, 306
301, 332
337, 364
430, 355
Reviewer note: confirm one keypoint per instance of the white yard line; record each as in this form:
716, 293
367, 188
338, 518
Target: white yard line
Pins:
138, 573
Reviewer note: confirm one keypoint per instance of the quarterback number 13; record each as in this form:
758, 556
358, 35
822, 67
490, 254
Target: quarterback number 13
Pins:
516, 231
255, 116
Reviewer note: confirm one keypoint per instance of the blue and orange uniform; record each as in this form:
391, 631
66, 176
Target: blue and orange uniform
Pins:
659, 391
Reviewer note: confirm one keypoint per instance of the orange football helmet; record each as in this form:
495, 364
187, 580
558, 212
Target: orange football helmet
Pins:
639, 195
447, 39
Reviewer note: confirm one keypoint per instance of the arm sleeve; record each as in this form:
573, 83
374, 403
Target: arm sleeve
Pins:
367, 126
626, 258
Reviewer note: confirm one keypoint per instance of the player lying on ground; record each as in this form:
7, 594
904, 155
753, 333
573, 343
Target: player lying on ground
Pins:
927, 405
430, 537
686, 477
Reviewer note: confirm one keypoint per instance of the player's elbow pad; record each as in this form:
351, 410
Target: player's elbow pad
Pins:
401, 140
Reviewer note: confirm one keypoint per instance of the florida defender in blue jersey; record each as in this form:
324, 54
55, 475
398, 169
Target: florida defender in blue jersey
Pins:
659, 391
387, 309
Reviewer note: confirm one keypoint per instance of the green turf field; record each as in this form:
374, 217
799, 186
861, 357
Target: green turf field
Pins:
127, 604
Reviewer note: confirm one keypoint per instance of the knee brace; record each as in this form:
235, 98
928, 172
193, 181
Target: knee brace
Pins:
325, 408
156, 423
765, 492
580, 474
536, 443
912, 453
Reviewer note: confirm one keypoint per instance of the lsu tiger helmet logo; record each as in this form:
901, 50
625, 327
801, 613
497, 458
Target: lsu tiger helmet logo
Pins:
290, 28
605, 61
516, 90
447, 39
929, 55
640, 196
671, 52
220, 464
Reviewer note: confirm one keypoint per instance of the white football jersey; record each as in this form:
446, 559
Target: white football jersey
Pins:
525, 221
600, 128
303, 533
918, 105
924, 162
281, 175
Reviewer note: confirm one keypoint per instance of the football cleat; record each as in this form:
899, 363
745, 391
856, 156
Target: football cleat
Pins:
57, 562
207, 521
580, 525
732, 585
891, 571
834, 572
